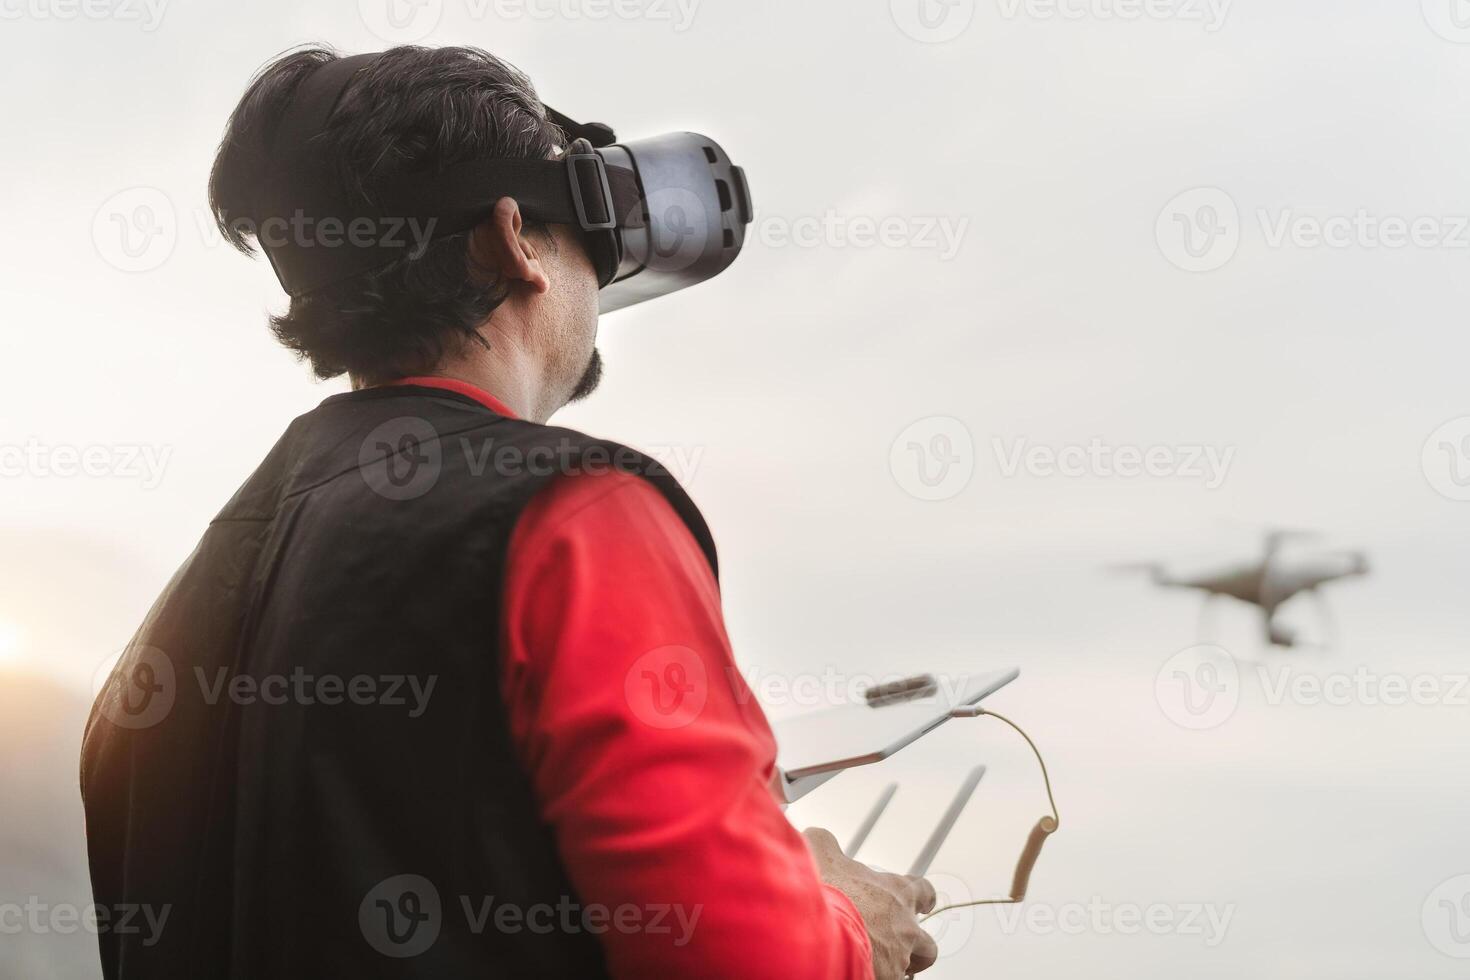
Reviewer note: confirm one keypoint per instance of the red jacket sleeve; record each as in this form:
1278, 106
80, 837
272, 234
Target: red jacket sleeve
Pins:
648, 753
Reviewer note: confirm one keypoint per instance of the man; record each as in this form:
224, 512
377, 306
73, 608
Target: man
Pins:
445, 691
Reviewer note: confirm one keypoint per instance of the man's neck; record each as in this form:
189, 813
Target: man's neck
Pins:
506, 370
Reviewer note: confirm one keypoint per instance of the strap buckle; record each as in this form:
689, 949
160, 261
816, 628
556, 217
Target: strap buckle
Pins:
599, 217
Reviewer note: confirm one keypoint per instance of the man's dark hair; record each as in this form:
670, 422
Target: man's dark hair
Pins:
412, 109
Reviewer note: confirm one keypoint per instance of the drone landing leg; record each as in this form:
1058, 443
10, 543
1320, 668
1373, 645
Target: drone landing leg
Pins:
1329, 623
1278, 636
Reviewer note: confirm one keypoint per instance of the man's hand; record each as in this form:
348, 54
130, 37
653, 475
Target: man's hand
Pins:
890, 905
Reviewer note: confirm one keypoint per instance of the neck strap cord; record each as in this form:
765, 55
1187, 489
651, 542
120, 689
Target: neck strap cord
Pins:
1044, 828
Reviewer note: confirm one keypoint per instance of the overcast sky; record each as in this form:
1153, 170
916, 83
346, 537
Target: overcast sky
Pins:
1005, 253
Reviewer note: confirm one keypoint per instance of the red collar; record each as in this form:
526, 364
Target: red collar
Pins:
461, 388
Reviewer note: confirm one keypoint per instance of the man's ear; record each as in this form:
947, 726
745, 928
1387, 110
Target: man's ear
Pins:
499, 250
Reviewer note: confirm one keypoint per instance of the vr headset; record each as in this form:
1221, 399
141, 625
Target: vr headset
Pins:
658, 214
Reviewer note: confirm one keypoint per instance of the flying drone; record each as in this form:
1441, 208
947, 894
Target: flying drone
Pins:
1278, 576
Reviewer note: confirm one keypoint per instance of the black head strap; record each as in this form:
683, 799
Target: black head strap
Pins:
317, 233
595, 133
312, 104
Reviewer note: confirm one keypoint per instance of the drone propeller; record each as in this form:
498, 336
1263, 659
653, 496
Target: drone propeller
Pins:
1153, 569
1277, 536
1355, 562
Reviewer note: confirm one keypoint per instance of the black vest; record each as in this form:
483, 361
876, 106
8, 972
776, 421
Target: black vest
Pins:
268, 766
